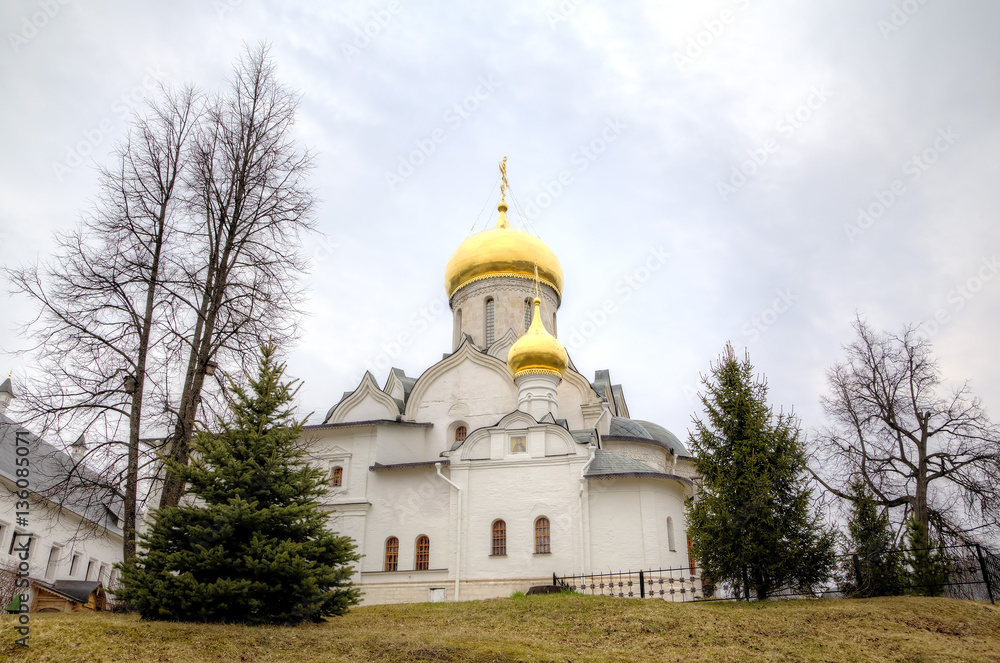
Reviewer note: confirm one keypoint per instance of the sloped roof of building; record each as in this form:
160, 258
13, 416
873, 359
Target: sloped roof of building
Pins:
7, 387
76, 590
49, 467
622, 427
661, 434
610, 465
637, 430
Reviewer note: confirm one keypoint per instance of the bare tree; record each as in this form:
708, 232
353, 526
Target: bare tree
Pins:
99, 348
190, 258
248, 206
933, 456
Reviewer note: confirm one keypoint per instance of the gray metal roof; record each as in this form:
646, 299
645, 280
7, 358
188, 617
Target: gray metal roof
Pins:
6, 387
49, 467
379, 467
583, 436
77, 590
622, 427
370, 422
608, 462
661, 434
609, 465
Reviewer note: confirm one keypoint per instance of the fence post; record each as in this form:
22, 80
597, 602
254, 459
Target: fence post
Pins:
986, 572
555, 581
642, 585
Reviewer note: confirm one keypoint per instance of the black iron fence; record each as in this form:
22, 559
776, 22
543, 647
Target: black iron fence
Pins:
677, 585
962, 572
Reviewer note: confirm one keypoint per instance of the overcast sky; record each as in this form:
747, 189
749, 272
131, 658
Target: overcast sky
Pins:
699, 168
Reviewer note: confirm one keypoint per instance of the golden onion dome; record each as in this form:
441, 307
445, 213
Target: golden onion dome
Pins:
537, 351
502, 251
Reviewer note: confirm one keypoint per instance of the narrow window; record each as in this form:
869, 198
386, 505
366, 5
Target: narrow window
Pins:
103, 572
670, 534
90, 570
489, 321
691, 563
3, 532
25, 544
542, 540
499, 538
423, 553
74, 564
337, 477
391, 553
527, 314
460, 434
554, 325
458, 329
50, 566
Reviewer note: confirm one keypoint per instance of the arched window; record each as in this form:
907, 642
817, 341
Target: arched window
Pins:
670, 534
542, 539
527, 314
337, 477
554, 324
460, 434
458, 329
423, 553
391, 553
490, 305
499, 538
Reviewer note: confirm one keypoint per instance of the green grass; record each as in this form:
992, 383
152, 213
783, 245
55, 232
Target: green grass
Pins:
561, 627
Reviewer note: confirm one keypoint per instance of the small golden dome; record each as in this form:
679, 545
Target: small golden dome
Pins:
502, 251
537, 351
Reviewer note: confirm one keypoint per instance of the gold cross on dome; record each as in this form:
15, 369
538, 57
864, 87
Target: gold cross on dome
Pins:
503, 184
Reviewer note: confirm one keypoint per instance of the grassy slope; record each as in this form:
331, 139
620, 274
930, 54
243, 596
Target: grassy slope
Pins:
546, 628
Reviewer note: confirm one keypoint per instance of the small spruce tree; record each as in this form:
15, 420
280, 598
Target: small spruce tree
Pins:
926, 560
253, 547
876, 567
752, 524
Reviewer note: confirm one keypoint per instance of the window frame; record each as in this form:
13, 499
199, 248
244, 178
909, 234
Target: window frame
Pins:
391, 558
422, 556
498, 538
52, 563
337, 476
489, 321
543, 536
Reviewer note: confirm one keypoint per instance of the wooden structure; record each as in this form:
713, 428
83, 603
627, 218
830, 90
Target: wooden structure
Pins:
69, 596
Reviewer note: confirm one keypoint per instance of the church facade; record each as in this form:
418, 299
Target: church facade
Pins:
501, 464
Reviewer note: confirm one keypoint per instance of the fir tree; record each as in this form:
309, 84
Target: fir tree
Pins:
876, 565
926, 560
752, 524
253, 546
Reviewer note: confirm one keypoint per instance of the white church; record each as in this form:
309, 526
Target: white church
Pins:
502, 464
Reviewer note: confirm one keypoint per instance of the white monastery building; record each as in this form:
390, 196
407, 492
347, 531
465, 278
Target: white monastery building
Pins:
502, 464
64, 534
